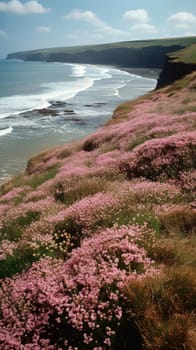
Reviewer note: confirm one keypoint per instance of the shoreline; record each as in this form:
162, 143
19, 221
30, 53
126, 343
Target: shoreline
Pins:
147, 73
125, 93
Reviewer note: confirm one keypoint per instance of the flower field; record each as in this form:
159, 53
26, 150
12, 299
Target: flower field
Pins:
97, 238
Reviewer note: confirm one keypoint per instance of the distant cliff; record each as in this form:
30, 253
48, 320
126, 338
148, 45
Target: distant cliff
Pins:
150, 57
146, 57
145, 54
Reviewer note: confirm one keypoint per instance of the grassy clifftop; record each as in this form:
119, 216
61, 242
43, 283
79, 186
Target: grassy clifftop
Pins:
184, 41
98, 237
186, 55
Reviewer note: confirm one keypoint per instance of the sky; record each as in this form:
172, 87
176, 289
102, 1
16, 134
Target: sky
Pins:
34, 24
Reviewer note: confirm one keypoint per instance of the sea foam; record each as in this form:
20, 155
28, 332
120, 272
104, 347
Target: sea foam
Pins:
6, 131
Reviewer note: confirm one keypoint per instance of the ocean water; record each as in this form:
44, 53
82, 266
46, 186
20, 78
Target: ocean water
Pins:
47, 104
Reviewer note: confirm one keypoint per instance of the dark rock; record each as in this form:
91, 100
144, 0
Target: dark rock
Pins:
76, 120
46, 111
96, 104
69, 111
59, 103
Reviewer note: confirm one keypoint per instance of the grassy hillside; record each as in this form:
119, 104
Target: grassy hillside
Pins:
98, 237
186, 55
184, 41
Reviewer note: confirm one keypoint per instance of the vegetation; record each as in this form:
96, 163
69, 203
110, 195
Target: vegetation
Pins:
97, 241
187, 55
184, 41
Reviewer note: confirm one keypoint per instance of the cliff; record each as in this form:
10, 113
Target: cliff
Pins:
177, 65
147, 57
146, 54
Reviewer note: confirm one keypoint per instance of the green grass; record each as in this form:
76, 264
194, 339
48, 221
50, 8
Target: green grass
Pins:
138, 140
12, 230
83, 188
39, 179
33, 181
186, 55
19, 261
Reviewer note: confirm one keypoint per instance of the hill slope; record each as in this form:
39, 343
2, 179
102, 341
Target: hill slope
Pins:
97, 237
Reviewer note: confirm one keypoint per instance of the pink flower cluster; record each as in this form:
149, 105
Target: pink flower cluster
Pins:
76, 298
89, 213
149, 192
39, 206
165, 156
188, 181
12, 194
7, 248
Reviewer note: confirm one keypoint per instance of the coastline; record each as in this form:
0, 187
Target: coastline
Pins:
15, 148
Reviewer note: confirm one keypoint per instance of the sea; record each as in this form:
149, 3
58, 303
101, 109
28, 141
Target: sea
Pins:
43, 105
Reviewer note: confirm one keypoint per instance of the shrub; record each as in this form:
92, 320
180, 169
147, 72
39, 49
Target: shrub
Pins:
78, 303
87, 215
165, 157
89, 145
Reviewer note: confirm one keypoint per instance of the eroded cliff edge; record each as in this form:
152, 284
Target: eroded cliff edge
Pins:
177, 65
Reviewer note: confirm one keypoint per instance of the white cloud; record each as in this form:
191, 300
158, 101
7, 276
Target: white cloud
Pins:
100, 26
87, 16
43, 29
19, 8
144, 28
183, 20
139, 21
3, 34
136, 16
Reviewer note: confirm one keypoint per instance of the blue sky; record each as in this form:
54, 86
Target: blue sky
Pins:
32, 24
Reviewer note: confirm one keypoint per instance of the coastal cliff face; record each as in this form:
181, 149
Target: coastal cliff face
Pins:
146, 57
177, 65
151, 57
173, 71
